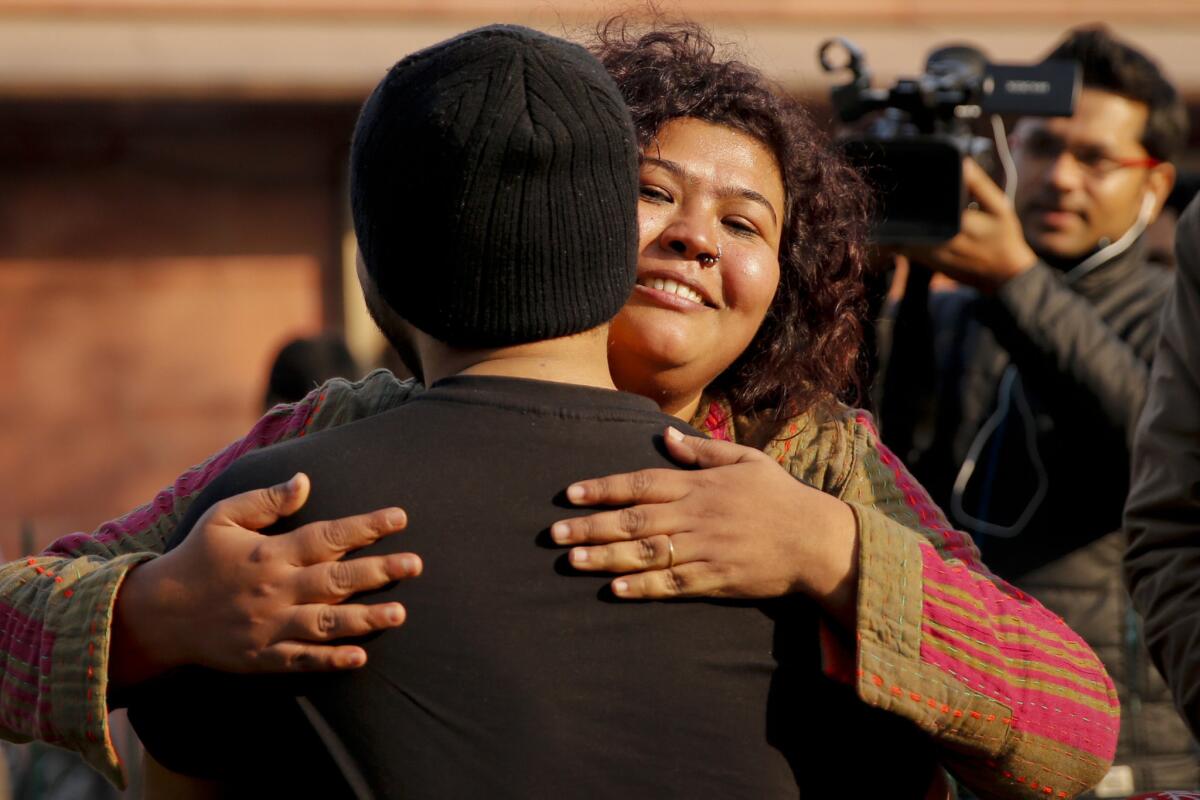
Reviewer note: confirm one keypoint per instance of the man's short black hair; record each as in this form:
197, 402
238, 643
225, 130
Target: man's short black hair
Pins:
1112, 66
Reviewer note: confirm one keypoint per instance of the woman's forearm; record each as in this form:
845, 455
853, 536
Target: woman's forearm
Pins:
1017, 703
58, 606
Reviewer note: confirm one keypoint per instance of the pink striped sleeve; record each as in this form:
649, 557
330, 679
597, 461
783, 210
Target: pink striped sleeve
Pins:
55, 608
1021, 703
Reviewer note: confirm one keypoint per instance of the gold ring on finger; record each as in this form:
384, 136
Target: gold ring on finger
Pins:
670, 553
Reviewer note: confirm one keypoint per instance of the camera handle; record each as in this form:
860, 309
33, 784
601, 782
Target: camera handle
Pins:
856, 62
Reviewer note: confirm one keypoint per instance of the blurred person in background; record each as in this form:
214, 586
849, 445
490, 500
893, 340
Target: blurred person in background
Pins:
1162, 516
924, 639
306, 363
1035, 376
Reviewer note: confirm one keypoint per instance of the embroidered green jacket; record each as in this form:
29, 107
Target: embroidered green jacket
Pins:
1018, 705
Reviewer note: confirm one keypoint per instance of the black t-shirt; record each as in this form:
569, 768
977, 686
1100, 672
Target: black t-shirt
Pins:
514, 675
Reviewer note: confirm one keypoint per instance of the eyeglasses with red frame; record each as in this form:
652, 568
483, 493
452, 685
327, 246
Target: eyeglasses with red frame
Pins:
1094, 161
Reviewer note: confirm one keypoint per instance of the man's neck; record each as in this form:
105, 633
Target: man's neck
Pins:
1129, 251
1065, 263
581, 359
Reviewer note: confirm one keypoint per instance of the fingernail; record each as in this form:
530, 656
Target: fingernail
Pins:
293, 483
409, 565
674, 435
394, 615
396, 518
355, 659
560, 532
579, 555
621, 587
575, 492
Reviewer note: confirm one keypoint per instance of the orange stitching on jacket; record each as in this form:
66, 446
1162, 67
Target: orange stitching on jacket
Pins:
995, 695
945, 708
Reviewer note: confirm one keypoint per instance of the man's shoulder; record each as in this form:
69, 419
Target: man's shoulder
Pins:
360, 412
259, 469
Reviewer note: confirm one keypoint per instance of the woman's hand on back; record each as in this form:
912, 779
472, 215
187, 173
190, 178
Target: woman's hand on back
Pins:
236, 600
740, 526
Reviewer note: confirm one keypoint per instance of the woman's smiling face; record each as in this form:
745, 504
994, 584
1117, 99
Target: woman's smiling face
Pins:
706, 191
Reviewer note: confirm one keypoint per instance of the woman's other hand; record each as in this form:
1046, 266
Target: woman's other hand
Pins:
741, 526
236, 600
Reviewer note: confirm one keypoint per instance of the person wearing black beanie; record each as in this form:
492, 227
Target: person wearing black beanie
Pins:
494, 186
493, 183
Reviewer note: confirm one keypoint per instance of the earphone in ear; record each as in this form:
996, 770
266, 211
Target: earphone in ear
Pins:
1112, 249
1147, 209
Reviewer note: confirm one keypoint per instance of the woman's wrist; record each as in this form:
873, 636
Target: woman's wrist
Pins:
139, 646
831, 576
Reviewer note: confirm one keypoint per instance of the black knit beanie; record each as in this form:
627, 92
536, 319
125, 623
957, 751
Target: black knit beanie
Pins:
493, 180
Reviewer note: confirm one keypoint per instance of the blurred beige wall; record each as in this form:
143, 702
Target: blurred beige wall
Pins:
327, 49
152, 260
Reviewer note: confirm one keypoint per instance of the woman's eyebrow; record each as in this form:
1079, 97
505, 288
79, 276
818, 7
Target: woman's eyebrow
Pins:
742, 192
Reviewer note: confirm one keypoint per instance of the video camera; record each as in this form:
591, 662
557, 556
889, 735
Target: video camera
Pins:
920, 130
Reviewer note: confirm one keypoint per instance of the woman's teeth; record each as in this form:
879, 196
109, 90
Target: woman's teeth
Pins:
671, 287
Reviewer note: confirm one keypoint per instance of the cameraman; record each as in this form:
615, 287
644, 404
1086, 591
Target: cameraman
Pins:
1033, 379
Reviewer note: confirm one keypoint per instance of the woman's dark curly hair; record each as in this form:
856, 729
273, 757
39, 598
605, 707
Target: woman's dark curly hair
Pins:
806, 351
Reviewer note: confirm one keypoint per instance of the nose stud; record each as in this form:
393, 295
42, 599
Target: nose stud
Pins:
708, 259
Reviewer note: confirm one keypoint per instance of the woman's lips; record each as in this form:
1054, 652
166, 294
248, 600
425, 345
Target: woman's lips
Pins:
672, 286
669, 298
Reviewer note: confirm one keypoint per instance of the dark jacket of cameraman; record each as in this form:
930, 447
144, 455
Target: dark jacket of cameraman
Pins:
1163, 514
1016, 411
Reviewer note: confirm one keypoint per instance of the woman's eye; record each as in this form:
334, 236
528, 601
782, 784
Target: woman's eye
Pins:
654, 194
741, 226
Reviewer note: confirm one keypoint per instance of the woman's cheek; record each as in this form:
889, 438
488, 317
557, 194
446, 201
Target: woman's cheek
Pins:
750, 285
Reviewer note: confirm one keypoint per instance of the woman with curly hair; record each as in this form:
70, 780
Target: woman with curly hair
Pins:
745, 321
